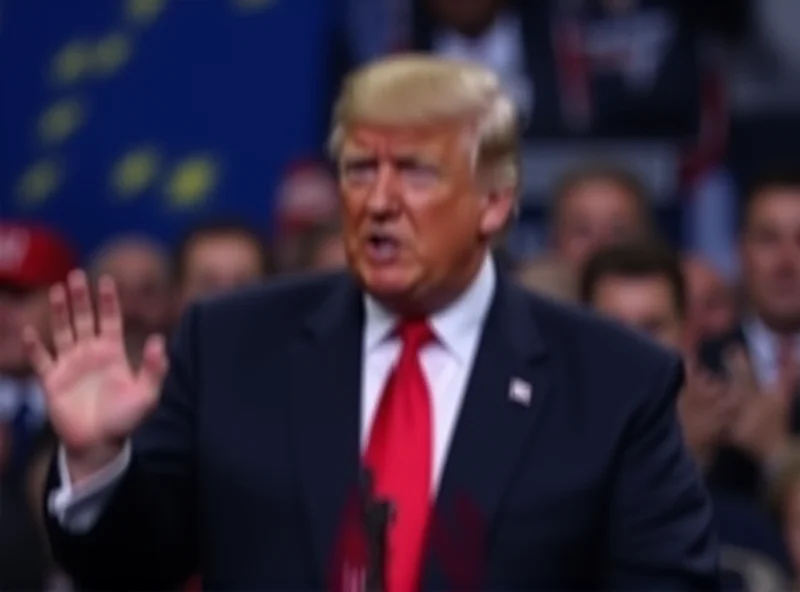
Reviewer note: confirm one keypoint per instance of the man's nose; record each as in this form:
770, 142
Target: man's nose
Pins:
385, 197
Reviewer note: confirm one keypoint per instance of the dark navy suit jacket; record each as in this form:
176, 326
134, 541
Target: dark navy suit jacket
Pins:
246, 467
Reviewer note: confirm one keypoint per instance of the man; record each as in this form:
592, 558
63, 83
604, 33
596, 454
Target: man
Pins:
762, 353
322, 249
141, 271
536, 447
593, 69
306, 199
31, 259
642, 287
595, 206
216, 257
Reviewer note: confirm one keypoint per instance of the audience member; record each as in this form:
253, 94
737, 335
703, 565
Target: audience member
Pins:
574, 68
216, 257
322, 249
598, 205
307, 199
31, 259
141, 269
761, 354
641, 285
489, 32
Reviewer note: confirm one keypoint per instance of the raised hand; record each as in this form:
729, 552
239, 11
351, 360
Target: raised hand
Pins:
94, 399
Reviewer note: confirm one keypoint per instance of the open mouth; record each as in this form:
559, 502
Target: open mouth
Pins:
382, 248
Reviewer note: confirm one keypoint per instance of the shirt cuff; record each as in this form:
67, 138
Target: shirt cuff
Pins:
78, 507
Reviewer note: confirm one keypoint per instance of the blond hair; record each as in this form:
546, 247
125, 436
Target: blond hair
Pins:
422, 90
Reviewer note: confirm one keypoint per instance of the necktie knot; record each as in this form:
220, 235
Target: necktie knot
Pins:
415, 333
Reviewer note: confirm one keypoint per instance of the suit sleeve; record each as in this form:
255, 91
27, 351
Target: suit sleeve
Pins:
660, 532
145, 536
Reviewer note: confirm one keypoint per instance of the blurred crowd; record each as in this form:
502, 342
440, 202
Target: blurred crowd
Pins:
615, 72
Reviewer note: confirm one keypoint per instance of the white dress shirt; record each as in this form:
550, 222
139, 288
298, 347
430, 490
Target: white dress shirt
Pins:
763, 345
446, 362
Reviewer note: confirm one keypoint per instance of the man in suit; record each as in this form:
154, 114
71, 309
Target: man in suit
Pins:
531, 444
761, 355
642, 286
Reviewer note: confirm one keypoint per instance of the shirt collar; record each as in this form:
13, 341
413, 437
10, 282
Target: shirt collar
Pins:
759, 337
763, 344
451, 325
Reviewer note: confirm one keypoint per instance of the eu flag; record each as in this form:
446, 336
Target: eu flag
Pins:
130, 115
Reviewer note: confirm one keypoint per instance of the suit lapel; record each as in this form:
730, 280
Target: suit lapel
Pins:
326, 410
508, 384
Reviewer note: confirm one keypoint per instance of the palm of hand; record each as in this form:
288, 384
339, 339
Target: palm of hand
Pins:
94, 398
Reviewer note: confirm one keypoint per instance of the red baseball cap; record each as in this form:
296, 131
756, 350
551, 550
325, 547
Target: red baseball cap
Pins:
33, 256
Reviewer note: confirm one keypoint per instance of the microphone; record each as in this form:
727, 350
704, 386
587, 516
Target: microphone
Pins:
376, 515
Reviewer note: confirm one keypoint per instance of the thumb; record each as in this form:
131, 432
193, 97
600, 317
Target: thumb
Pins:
154, 363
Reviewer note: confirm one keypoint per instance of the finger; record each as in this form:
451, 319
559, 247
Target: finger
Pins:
63, 337
82, 313
109, 313
37, 353
154, 364
741, 370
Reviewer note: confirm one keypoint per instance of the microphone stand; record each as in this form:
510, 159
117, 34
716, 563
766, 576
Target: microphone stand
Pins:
376, 515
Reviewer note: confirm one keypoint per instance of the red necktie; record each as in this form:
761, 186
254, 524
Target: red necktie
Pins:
399, 454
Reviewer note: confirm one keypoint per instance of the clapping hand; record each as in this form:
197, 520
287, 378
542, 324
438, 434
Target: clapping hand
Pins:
762, 426
95, 400
705, 411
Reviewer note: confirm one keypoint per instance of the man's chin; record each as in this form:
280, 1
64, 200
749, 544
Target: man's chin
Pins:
388, 285
388, 290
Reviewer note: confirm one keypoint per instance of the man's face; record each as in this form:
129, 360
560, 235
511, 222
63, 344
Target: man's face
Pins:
415, 222
219, 263
646, 304
19, 308
771, 257
594, 214
143, 282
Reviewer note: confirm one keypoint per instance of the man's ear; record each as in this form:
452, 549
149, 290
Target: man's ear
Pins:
498, 209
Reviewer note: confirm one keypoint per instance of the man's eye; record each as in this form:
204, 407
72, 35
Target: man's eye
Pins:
420, 174
359, 170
